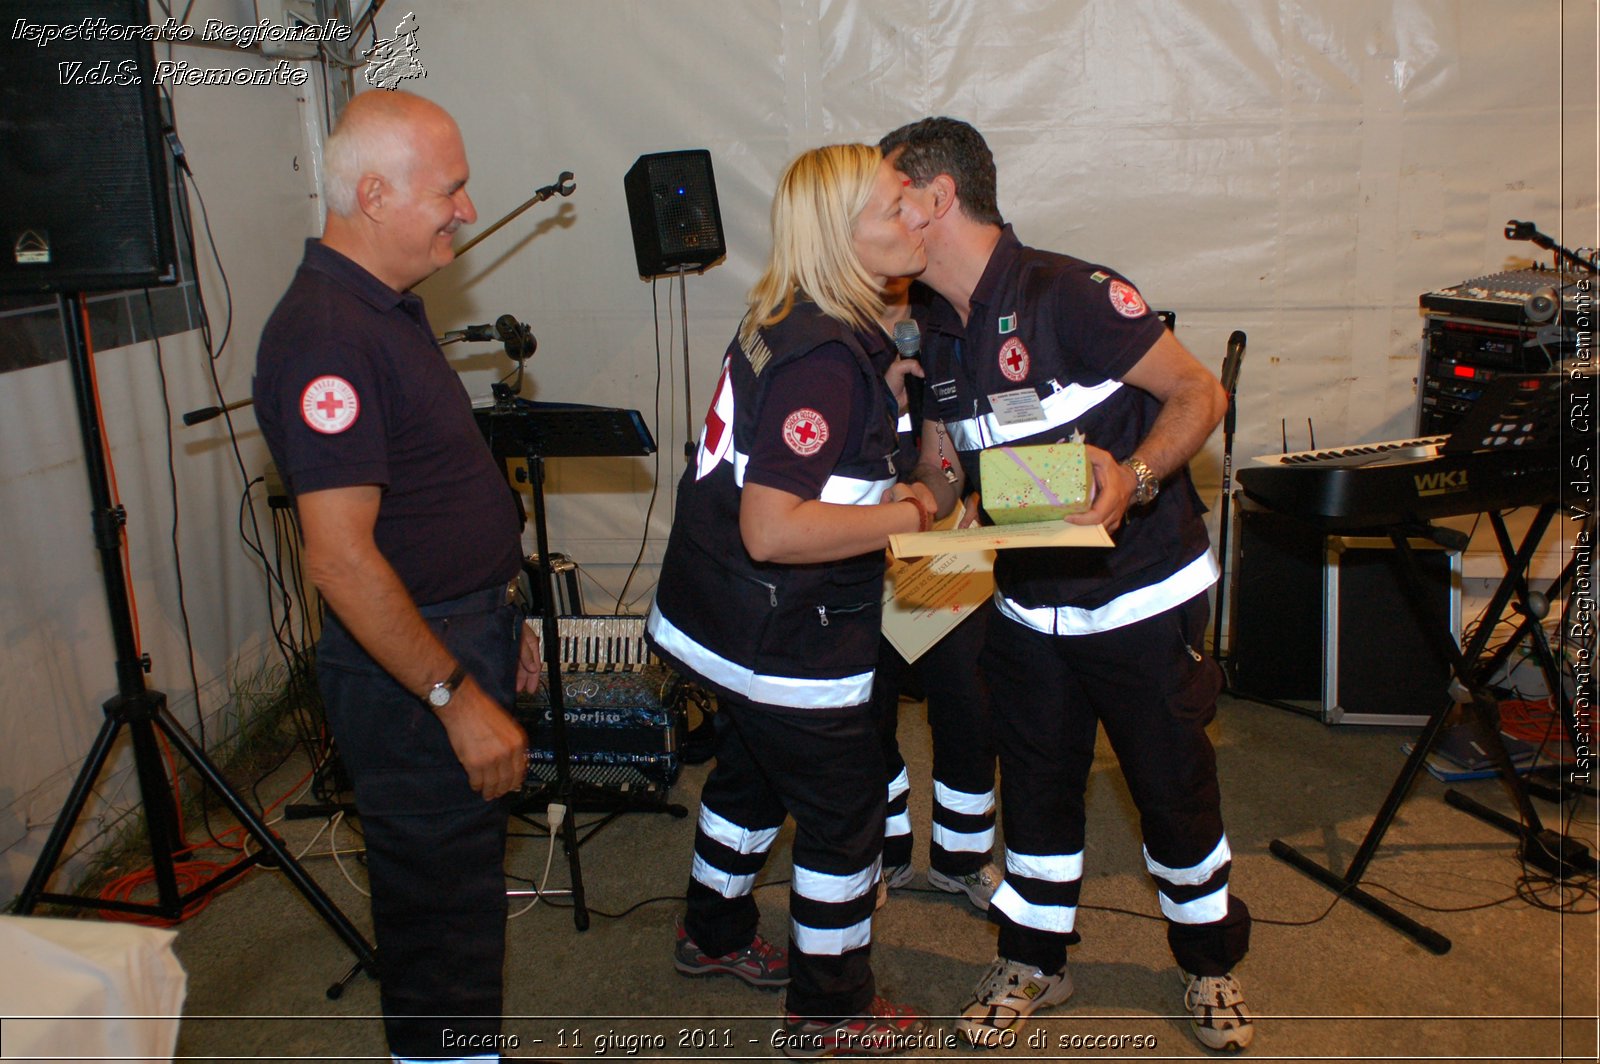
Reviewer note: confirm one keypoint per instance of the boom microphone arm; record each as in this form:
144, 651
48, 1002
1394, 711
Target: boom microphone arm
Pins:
564, 186
518, 338
1516, 230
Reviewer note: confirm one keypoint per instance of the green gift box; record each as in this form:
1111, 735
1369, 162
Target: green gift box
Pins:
1041, 482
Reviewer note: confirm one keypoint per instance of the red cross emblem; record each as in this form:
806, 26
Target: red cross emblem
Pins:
1014, 360
1127, 300
805, 431
717, 439
329, 405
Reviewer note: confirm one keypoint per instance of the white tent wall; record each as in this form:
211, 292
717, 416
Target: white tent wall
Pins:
1302, 171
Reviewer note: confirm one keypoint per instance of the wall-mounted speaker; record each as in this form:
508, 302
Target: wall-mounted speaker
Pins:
672, 203
83, 183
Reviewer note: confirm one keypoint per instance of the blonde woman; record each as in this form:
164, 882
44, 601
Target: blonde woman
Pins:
769, 595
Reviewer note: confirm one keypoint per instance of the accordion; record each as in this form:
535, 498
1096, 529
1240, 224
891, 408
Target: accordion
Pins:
624, 713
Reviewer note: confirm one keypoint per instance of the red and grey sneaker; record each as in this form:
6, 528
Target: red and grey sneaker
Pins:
883, 1029
761, 964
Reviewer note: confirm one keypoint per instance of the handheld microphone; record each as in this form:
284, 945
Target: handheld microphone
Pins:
908, 341
907, 338
472, 334
517, 337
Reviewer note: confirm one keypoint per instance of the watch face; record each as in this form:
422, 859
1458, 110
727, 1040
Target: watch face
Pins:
439, 696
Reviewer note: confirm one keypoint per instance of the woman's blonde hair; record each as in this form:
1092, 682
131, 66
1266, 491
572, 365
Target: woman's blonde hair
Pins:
814, 212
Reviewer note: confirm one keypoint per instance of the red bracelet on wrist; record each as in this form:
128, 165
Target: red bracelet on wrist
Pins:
924, 517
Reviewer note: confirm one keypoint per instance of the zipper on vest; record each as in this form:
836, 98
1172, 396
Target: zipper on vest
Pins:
772, 592
822, 611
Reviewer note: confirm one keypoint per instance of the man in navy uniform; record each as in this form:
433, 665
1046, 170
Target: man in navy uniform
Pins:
411, 536
1026, 346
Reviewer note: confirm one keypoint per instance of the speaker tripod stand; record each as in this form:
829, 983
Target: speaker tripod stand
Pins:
143, 712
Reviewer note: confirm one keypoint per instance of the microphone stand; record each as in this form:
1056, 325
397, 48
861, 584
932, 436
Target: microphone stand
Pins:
1231, 363
1516, 230
564, 186
206, 413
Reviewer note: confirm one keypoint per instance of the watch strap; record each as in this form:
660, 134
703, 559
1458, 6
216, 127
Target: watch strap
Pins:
448, 685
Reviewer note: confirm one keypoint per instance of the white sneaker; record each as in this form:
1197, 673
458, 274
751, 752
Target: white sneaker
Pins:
893, 878
1008, 993
978, 886
1217, 1012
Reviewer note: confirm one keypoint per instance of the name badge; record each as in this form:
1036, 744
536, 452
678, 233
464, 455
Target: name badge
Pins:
1016, 407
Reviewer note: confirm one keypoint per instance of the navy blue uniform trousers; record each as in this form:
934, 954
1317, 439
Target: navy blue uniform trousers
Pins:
963, 748
1154, 691
435, 848
825, 769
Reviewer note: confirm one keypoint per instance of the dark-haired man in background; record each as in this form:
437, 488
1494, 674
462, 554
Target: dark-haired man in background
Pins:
1026, 346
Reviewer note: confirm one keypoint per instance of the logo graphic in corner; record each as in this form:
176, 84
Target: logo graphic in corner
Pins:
1127, 300
392, 61
1014, 359
329, 405
805, 431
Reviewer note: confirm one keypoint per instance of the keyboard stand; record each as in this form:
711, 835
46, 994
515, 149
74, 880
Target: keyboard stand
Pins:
1551, 851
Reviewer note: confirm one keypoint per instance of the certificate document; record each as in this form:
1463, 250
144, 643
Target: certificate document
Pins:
1052, 533
925, 597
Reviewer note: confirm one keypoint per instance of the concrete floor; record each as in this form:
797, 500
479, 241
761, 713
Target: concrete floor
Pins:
1326, 980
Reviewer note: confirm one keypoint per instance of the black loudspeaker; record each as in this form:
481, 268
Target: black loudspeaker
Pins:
1380, 665
1325, 619
672, 203
1276, 650
83, 183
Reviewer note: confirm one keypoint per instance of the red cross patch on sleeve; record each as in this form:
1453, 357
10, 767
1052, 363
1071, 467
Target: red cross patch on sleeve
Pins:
329, 405
1127, 300
805, 431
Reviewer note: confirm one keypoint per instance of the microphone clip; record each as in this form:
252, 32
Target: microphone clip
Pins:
518, 338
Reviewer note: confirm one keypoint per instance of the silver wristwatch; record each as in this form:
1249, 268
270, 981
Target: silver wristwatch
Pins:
439, 694
1148, 486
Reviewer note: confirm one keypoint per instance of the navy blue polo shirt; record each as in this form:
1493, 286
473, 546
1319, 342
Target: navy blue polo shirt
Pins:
351, 389
1040, 360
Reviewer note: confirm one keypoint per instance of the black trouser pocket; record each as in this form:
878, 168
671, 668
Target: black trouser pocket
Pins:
1198, 678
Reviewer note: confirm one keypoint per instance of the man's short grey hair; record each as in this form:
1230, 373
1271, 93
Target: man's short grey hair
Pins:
366, 144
